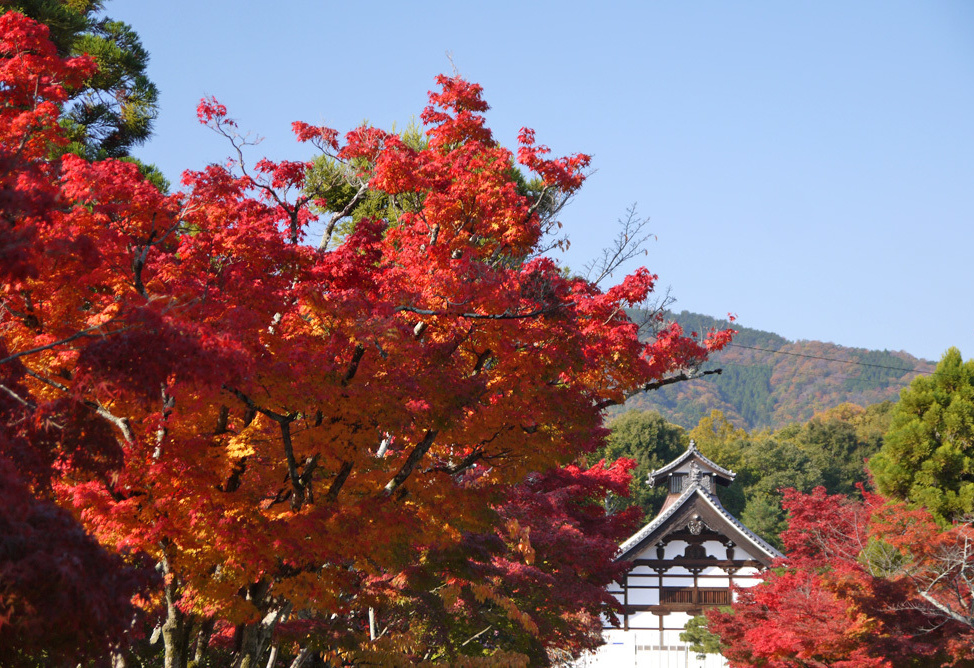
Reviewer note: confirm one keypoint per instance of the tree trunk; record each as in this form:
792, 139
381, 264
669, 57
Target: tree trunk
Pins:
177, 627
203, 640
175, 638
301, 658
256, 638
273, 657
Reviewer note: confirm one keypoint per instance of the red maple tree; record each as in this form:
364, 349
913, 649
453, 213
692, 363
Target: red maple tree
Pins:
849, 593
278, 426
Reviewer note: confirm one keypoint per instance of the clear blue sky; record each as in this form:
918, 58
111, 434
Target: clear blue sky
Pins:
806, 165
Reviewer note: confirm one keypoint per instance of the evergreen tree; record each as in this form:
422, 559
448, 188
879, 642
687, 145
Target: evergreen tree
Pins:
928, 454
114, 110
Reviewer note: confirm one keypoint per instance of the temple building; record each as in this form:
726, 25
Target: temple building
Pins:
683, 562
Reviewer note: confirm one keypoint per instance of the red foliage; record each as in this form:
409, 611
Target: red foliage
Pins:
63, 597
842, 597
197, 384
537, 580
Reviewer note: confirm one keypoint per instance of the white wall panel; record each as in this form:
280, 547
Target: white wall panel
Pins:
644, 596
644, 620
673, 549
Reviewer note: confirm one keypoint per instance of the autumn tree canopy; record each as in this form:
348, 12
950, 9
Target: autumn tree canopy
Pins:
865, 583
283, 430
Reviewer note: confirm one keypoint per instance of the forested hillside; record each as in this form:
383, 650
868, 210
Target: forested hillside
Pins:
769, 381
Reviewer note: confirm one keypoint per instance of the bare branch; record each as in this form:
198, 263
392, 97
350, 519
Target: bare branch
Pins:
655, 385
122, 424
627, 245
168, 402
337, 216
17, 397
476, 635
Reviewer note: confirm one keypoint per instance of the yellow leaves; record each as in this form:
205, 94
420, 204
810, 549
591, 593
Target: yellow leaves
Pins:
523, 537
484, 593
449, 594
239, 445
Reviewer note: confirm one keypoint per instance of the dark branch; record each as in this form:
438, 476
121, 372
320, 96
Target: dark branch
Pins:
481, 360
506, 315
655, 385
340, 478
353, 365
249, 403
299, 497
61, 342
411, 461
292, 467
459, 467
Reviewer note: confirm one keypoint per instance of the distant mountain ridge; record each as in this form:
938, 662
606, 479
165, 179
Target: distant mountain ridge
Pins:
769, 381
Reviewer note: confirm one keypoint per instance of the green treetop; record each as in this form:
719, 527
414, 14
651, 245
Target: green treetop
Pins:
928, 454
650, 440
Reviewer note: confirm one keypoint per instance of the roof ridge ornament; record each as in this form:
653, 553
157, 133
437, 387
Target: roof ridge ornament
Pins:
721, 475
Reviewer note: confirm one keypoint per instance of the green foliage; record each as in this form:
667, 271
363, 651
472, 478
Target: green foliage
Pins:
764, 516
652, 442
339, 187
883, 367
720, 439
829, 450
928, 454
114, 111
701, 640
753, 394
835, 449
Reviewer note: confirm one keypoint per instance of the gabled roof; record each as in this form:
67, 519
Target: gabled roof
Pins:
691, 453
697, 497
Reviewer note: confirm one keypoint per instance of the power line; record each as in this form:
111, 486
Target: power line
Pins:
829, 359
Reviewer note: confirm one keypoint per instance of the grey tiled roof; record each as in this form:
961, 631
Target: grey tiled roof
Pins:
691, 452
678, 505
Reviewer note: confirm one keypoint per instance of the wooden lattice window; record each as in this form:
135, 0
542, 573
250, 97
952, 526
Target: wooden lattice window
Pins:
695, 596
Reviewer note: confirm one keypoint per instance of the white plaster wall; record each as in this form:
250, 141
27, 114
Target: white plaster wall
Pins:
644, 620
678, 570
715, 549
677, 581
673, 549
644, 596
641, 649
